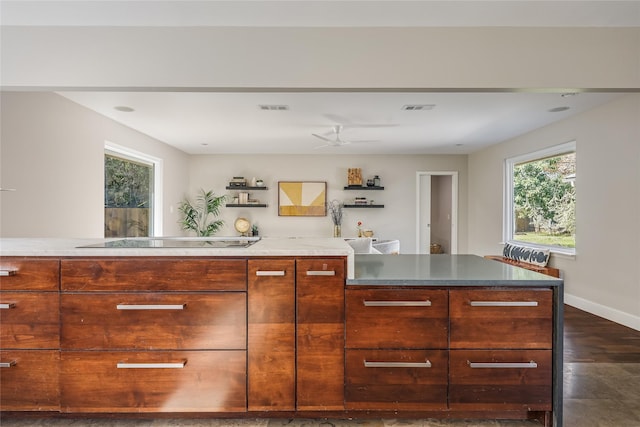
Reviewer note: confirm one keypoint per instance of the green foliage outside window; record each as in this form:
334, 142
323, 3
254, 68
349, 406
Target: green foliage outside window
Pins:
544, 199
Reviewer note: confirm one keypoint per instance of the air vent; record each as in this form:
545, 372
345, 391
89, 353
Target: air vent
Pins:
274, 107
418, 107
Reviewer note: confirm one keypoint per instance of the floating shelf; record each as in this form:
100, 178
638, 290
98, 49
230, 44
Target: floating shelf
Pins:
246, 205
354, 187
240, 188
363, 206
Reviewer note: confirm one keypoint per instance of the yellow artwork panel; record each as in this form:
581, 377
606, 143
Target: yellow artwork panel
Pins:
297, 198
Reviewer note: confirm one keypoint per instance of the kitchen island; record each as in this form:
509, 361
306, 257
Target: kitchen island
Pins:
285, 327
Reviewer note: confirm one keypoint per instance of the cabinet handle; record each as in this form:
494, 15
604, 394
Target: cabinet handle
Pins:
426, 303
175, 365
7, 364
151, 306
270, 273
503, 303
425, 364
6, 306
474, 365
5, 273
321, 273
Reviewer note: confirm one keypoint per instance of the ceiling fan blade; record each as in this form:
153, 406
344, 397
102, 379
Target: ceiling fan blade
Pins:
322, 137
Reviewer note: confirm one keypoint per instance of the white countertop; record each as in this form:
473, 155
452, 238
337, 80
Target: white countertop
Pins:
267, 246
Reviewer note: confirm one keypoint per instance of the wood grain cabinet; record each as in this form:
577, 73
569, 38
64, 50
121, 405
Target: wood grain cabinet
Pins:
397, 349
501, 349
320, 333
272, 334
153, 335
29, 334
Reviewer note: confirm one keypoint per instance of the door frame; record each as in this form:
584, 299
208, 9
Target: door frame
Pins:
454, 207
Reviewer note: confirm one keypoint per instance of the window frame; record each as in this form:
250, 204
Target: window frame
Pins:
155, 228
508, 223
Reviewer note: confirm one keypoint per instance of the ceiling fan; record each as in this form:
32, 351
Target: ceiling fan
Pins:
337, 141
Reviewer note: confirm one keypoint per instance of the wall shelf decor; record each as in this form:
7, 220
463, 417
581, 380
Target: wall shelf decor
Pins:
246, 205
363, 206
360, 187
241, 188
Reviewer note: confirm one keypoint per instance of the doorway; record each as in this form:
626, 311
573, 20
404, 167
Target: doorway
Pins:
437, 212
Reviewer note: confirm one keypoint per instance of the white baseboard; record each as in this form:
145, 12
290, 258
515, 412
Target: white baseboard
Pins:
609, 313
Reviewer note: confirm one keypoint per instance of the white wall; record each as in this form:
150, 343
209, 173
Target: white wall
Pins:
604, 276
52, 152
397, 220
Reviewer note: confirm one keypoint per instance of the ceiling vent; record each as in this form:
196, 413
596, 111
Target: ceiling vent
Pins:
418, 107
273, 107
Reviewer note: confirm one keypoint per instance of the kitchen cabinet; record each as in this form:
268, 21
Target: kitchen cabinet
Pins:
153, 335
272, 334
457, 350
29, 334
320, 333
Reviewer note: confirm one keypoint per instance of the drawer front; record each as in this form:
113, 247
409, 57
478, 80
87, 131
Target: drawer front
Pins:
320, 334
29, 320
501, 319
396, 379
501, 380
397, 318
272, 335
157, 274
29, 274
29, 380
154, 321
180, 381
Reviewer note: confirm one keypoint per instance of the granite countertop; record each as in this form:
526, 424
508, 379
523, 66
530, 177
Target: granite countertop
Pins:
446, 270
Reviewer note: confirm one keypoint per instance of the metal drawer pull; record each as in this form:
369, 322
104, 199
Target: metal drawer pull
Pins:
7, 306
425, 364
151, 306
7, 364
178, 365
426, 303
504, 303
321, 273
5, 273
270, 273
531, 364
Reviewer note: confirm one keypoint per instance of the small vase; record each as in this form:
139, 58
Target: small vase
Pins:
337, 231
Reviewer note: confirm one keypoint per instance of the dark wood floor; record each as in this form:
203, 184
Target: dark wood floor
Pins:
589, 338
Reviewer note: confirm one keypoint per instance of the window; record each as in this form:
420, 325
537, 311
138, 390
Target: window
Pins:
540, 198
129, 193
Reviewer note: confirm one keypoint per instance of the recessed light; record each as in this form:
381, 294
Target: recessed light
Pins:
558, 109
124, 109
204, 144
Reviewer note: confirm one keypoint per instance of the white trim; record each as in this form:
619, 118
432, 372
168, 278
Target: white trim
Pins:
454, 206
608, 313
156, 225
508, 221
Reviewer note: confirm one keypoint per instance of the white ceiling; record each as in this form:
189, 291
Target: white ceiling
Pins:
231, 122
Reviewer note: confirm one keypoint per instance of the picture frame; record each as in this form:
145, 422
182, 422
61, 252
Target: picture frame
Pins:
302, 198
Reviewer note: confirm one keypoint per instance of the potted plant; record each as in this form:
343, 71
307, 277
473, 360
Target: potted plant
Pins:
201, 215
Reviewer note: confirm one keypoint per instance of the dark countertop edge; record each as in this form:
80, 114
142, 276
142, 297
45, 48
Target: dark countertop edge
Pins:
434, 282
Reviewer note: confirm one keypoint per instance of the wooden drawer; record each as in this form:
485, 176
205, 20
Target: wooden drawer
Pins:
29, 320
320, 334
397, 318
154, 274
500, 380
154, 321
186, 381
519, 318
29, 274
272, 335
396, 379
29, 380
